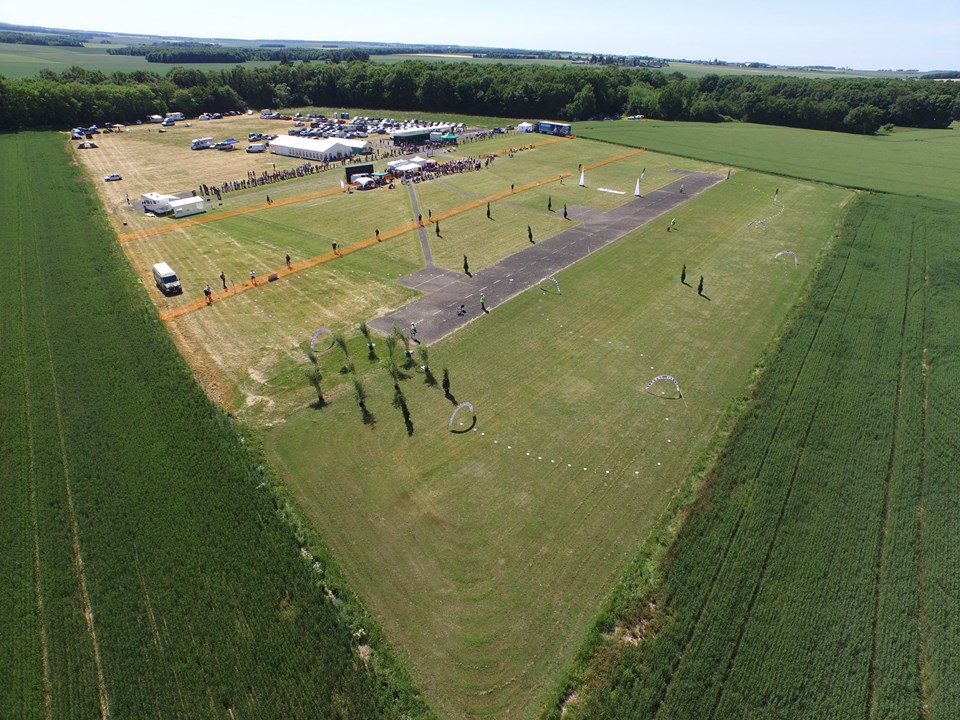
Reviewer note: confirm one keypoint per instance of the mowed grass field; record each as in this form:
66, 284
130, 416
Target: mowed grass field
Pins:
248, 347
817, 573
148, 570
908, 161
487, 554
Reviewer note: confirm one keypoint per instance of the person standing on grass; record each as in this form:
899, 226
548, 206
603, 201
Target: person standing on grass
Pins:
683, 275
700, 286
253, 276
223, 279
377, 233
208, 293
334, 244
288, 259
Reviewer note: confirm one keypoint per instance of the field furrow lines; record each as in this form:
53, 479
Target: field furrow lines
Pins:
761, 467
31, 470
761, 572
81, 573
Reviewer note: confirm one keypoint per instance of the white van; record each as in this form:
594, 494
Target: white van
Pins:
257, 148
166, 279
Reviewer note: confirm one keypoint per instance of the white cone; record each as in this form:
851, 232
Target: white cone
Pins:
582, 183
636, 192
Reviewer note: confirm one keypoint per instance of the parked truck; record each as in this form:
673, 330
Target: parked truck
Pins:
202, 143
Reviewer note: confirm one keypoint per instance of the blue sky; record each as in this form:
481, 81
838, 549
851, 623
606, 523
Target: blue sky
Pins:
924, 34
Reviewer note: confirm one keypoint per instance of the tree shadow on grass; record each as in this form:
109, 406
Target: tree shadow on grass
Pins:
400, 402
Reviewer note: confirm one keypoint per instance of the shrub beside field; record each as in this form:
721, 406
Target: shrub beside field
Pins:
148, 566
816, 575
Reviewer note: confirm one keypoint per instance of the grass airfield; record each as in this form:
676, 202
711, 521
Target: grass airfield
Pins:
485, 555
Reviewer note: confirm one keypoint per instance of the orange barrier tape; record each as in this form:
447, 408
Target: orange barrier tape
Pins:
200, 302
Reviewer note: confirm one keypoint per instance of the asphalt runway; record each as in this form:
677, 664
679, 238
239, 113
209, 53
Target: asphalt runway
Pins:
435, 312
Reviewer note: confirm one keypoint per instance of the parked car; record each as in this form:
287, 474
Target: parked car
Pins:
112, 177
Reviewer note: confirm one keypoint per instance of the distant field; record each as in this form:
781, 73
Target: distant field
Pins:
696, 70
907, 162
817, 575
146, 571
449, 58
26, 60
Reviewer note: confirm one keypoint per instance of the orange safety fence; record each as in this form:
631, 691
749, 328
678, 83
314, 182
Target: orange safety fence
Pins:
197, 304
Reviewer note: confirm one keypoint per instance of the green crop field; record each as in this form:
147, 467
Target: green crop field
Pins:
148, 571
907, 161
816, 576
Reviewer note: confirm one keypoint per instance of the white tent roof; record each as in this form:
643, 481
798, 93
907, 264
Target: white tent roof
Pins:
324, 146
525, 127
409, 167
418, 160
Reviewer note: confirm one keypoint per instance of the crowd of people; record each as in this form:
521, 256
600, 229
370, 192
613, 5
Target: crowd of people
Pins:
267, 177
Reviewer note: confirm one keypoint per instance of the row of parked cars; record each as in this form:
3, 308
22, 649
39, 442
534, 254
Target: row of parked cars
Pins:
317, 126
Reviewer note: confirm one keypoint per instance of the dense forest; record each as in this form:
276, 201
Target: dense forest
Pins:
81, 97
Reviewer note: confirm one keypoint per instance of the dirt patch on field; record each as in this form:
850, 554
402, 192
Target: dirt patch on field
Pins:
208, 371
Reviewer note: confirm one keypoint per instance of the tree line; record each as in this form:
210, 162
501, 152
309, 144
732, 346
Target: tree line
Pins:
174, 53
77, 96
19, 38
